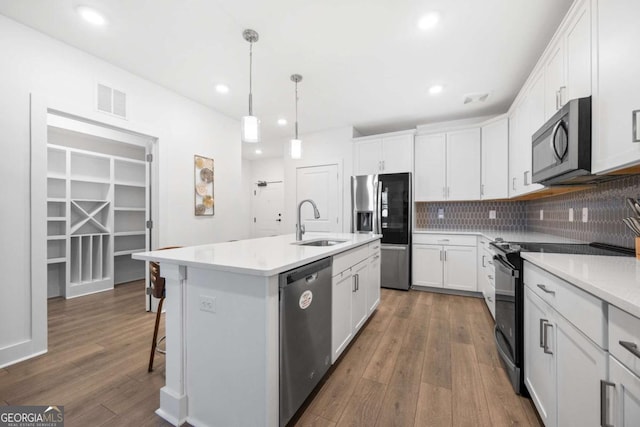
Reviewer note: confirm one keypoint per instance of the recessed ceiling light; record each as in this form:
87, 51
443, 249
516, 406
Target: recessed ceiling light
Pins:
258, 151
282, 122
429, 21
91, 15
222, 88
435, 89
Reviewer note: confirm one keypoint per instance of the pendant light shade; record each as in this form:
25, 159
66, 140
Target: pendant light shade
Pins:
250, 124
296, 143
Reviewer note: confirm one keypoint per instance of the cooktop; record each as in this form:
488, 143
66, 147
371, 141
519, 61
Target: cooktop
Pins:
565, 248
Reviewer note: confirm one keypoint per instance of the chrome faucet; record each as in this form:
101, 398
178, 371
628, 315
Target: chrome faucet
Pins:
299, 225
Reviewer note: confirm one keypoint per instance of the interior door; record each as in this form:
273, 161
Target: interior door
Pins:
320, 184
267, 207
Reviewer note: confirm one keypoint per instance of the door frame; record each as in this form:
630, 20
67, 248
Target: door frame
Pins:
39, 111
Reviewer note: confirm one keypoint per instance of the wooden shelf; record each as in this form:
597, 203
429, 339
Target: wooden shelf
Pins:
129, 252
130, 209
56, 260
56, 218
90, 179
130, 184
56, 199
129, 233
60, 237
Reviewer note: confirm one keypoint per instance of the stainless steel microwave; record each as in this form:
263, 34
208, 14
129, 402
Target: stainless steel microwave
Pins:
561, 148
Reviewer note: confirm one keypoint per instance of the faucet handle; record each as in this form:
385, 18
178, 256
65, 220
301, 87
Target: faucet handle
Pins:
302, 228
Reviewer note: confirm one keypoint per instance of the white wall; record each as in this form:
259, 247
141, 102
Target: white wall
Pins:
332, 146
271, 169
65, 79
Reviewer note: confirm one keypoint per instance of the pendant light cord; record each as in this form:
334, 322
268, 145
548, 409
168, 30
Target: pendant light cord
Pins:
296, 110
250, 80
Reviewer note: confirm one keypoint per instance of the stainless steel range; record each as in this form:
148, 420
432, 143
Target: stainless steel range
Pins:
510, 296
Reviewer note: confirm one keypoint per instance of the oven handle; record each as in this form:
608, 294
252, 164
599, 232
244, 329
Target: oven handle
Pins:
507, 268
503, 355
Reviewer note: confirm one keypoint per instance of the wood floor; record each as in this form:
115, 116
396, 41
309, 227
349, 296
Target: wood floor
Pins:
422, 360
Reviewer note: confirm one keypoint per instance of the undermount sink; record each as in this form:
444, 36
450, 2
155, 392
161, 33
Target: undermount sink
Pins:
320, 242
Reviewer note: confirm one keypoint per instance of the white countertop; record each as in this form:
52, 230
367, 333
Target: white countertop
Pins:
611, 278
507, 236
265, 256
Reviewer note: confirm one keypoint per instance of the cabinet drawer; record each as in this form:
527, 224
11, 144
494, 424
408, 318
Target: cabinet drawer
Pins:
445, 239
374, 248
626, 328
346, 260
583, 310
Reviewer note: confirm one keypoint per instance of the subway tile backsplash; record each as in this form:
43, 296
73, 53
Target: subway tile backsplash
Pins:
605, 204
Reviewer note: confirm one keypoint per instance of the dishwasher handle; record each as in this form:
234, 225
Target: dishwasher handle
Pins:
307, 272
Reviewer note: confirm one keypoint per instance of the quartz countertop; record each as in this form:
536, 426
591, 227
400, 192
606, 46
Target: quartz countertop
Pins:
507, 236
266, 256
614, 279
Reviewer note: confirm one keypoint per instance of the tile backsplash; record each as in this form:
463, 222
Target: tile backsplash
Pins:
605, 206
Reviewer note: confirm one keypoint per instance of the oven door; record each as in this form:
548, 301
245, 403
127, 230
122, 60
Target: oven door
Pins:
506, 329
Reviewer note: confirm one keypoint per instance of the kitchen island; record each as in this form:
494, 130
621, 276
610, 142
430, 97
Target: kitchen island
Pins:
222, 360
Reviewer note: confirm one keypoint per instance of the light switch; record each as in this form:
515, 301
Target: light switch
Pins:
570, 214
585, 214
541, 214
440, 213
492, 214
636, 125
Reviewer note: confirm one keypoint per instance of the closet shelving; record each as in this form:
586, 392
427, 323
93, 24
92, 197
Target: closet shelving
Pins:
96, 218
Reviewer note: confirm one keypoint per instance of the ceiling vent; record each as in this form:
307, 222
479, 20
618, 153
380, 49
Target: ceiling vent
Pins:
475, 98
112, 101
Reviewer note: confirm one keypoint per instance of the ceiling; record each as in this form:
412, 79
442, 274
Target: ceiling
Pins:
364, 63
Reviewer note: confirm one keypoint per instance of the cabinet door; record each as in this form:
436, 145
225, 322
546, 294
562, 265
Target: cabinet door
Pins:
532, 121
427, 265
495, 160
540, 367
366, 157
625, 411
359, 309
578, 54
397, 154
515, 162
554, 82
581, 365
463, 164
430, 172
616, 92
341, 328
373, 283
460, 270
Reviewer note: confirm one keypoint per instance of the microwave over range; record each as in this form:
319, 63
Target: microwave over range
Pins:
561, 148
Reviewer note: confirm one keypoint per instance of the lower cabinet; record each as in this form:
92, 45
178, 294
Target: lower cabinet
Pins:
445, 263
563, 364
355, 293
623, 392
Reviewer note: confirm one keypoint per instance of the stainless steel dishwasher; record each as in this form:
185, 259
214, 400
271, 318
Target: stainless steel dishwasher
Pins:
305, 333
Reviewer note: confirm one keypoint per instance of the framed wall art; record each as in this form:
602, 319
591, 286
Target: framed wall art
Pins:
204, 201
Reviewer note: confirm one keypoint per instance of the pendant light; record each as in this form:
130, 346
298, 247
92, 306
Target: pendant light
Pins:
250, 123
296, 144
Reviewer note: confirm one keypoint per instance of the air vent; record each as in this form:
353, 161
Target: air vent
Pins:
475, 98
112, 101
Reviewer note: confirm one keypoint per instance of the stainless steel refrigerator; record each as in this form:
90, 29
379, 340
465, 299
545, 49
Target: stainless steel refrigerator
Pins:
382, 204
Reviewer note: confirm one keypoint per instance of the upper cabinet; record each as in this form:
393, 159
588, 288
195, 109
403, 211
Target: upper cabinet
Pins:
616, 85
447, 165
390, 153
495, 160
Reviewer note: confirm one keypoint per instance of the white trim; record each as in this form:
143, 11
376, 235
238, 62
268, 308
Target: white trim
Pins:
384, 135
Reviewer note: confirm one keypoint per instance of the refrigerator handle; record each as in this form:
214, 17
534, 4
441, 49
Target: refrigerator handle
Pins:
378, 225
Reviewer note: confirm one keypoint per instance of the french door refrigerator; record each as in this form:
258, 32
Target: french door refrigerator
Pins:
381, 204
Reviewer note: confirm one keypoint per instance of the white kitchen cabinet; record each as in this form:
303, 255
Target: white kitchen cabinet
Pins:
373, 278
564, 340
392, 153
430, 167
623, 408
495, 160
554, 80
616, 88
448, 166
486, 274
442, 261
355, 293
540, 365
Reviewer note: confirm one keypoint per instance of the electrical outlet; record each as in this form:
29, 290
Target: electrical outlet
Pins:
585, 214
492, 214
541, 214
440, 213
207, 304
570, 214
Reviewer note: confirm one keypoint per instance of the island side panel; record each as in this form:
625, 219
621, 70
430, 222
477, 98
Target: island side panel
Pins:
173, 398
232, 352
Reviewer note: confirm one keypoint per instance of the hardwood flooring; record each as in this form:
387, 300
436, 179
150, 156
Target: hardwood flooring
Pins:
423, 359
